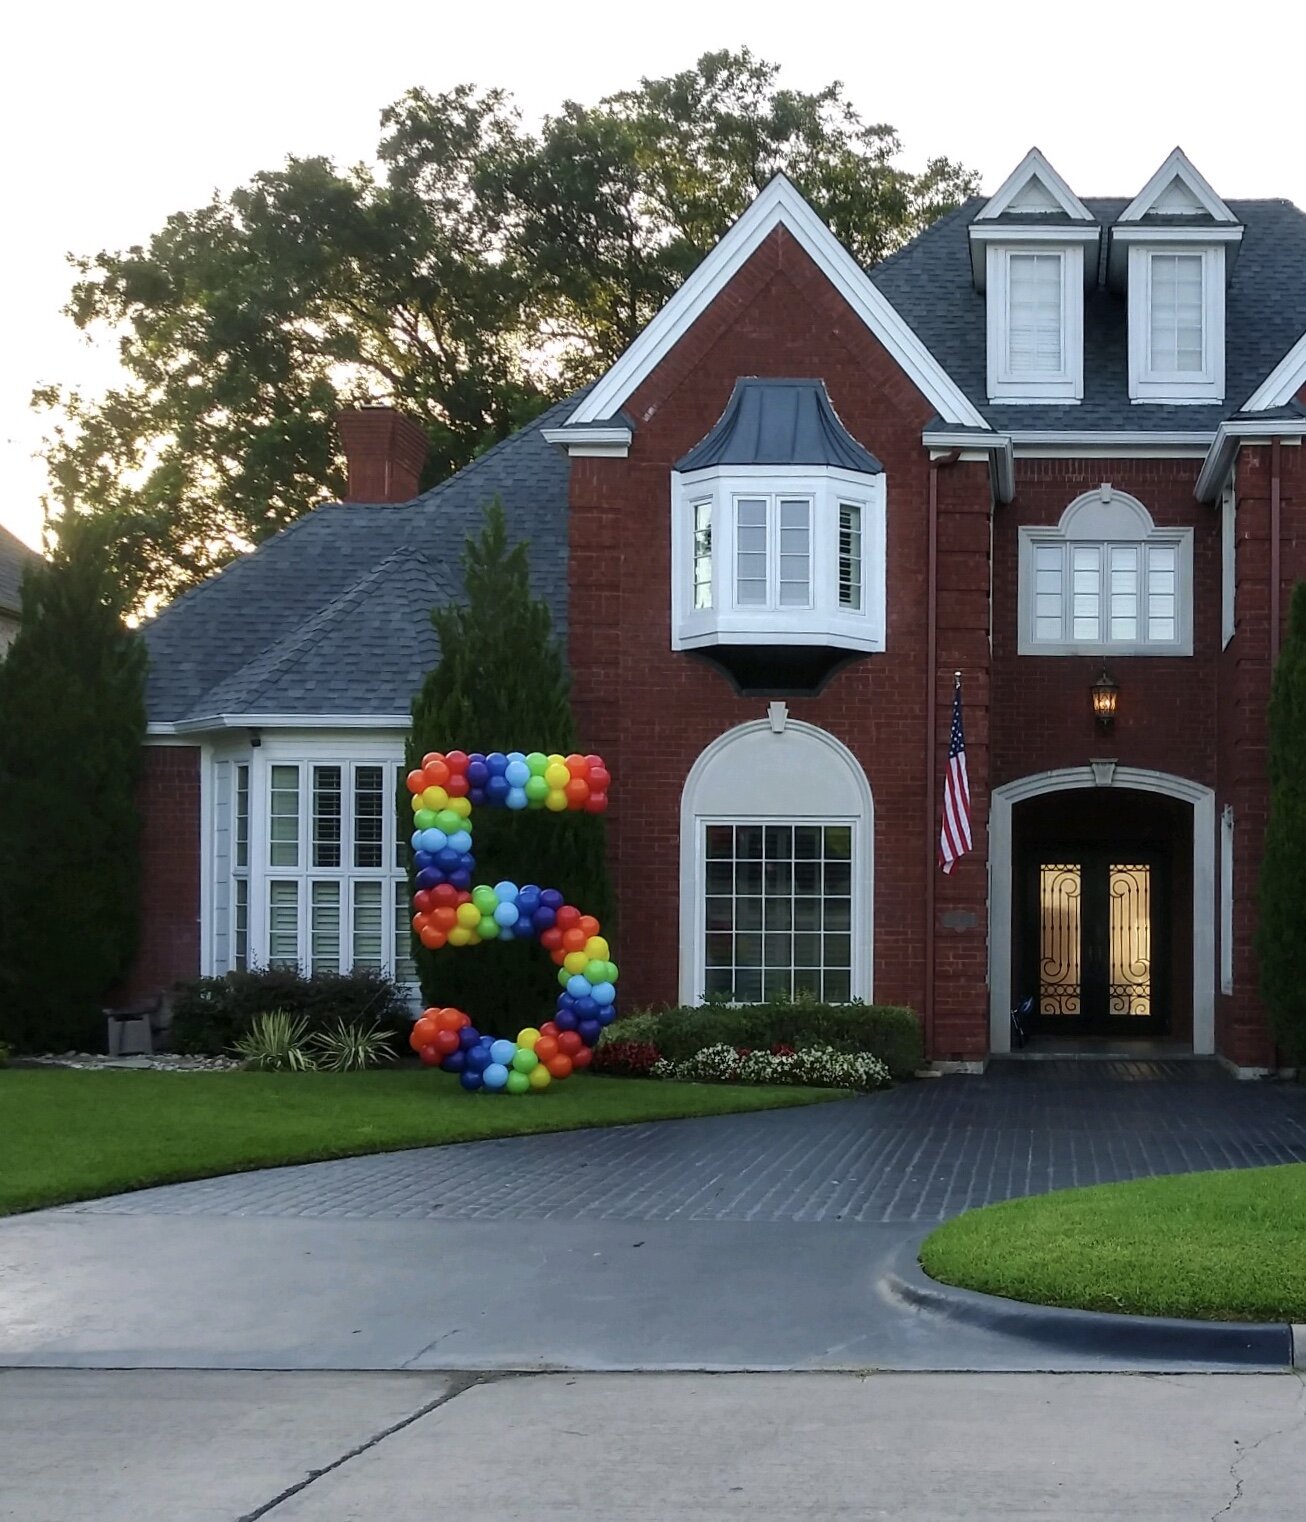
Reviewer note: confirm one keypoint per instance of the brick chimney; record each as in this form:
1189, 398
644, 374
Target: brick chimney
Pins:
385, 451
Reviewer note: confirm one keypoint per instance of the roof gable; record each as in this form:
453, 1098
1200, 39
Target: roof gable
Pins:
1177, 189
779, 205
1033, 186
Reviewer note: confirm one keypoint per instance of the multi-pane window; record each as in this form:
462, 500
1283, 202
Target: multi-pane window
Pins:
778, 911
1034, 326
702, 551
1175, 343
329, 882
850, 555
773, 552
1105, 594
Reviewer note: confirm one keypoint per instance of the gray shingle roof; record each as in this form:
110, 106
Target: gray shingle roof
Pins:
14, 556
929, 282
332, 614
779, 422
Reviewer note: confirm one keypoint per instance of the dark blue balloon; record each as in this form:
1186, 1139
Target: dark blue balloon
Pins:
497, 763
428, 877
477, 772
587, 1008
476, 796
589, 1031
468, 1037
551, 898
470, 1079
528, 901
476, 1059
607, 1014
566, 1000
543, 918
454, 1062
423, 859
448, 859
496, 789
461, 880
565, 1020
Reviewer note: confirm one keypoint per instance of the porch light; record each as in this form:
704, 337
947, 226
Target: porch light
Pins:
1105, 693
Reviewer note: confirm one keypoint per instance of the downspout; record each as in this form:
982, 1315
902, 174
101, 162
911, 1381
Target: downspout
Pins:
931, 740
1276, 463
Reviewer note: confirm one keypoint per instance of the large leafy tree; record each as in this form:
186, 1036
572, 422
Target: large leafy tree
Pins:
72, 722
502, 684
478, 271
1280, 944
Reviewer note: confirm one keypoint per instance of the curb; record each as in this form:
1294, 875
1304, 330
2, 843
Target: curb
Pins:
1102, 1334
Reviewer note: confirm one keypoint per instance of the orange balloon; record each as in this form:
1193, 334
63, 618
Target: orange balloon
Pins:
416, 782
577, 791
559, 1066
444, 918
558, 955
574, 939
589, 925
432, 938
449, 1020
578, 766
546, 1048
423, 1033
436, 772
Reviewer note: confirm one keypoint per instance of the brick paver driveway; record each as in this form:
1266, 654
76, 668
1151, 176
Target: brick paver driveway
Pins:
918, 1154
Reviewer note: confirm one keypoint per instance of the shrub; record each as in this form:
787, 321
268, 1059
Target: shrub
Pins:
276, 1042
211, 1014
888, 1032
346, 1048
625, 1059
817, 1066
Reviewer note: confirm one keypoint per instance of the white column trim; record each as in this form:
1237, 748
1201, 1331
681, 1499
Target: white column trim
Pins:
1067, 779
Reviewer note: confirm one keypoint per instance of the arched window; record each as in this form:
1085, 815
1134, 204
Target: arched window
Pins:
776, 868
1106, 579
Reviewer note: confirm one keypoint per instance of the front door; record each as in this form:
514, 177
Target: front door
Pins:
1094, 956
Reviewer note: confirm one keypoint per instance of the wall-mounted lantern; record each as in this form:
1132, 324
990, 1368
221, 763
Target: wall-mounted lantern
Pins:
1105, 696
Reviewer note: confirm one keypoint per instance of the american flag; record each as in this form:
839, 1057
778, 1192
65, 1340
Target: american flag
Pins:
954, 835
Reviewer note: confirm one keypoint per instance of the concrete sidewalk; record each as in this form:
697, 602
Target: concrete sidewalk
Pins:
236, 1447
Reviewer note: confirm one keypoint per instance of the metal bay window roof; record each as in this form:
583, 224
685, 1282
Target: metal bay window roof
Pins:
779, 422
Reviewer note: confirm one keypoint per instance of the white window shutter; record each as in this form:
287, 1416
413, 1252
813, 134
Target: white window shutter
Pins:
1034, 329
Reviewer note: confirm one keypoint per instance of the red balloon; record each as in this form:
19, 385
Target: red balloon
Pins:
446, 1042
600, 779
457, 785
456, 761
592, 761
566, 917
569, 1043
596, 803
443, 893
582, 1058
423, 902
551, 938
431, 755
431, 1056
559, 955
549, 1028
559, 1066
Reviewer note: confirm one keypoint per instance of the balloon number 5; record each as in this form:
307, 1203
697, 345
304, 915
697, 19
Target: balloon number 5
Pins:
449, 911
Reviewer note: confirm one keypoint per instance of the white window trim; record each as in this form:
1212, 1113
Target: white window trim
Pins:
1068, 384
824, 622
1147, 385
1226, 900
1228, 564
1105, 517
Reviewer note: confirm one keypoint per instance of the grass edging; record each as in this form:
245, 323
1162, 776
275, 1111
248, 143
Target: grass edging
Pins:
1219, 1246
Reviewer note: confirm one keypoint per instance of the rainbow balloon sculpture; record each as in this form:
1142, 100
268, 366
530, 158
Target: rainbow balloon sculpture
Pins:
449, 911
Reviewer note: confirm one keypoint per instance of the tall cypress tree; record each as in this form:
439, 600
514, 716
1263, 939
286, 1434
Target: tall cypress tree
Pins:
72, 722
1280, 943
502, 684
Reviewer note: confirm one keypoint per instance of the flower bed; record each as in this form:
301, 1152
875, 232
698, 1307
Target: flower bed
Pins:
813, 1067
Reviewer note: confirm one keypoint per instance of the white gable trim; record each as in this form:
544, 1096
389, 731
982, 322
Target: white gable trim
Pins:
1034, 167
779, 204
1177, 167
1283, 382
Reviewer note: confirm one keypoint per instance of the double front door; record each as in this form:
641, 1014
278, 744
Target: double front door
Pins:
1094, 957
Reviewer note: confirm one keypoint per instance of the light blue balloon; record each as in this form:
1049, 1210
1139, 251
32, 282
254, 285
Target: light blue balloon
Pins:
434, 840
516, 755
601, 993
517, 798
507, 914
578, 987
503, 1052
506, 934
460, 841
495, 1076
505, 891
517, 774
416, 841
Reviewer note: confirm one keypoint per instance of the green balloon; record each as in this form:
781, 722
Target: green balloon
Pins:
518, 1083
525, 1060
612, 971
564, 977
448, 821
537, 762
424, 819
596, 971
489, 927
537, 789
485, 898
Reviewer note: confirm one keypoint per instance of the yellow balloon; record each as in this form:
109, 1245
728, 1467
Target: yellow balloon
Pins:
575, 961
596, 948
468, 915
555, 758
528, 1037
460, 936
556, 802
557, 775
539, 1077
435, 798
416, 801
460, 806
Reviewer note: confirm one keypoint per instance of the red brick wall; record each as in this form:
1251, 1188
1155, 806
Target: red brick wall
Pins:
653, 710
169, 799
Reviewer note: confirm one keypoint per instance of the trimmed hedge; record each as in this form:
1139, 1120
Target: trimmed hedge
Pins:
210, 1014
888, 1031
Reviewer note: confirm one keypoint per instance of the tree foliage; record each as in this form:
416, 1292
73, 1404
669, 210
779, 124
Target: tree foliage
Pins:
1280, 944
501, 684
72, 723
479, 270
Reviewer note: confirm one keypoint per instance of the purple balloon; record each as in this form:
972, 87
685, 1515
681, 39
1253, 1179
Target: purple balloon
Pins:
543, 918
477, 773
477, 796
565, 1020
428, 877
551, 898
454, 1062
468, 1037
589, 1031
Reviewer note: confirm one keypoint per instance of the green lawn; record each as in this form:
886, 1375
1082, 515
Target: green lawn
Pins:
1220, 1246
72, 1135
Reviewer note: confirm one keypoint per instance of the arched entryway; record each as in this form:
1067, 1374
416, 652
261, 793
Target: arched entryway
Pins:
776, 867
1102, 905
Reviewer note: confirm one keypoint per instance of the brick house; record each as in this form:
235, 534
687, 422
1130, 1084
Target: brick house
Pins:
14, 558
1053, 445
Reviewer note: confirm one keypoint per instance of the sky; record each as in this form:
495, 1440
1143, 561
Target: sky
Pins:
115, 115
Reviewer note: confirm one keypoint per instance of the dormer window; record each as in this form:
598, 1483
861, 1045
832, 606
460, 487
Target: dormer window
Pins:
777, 528
1033, 244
